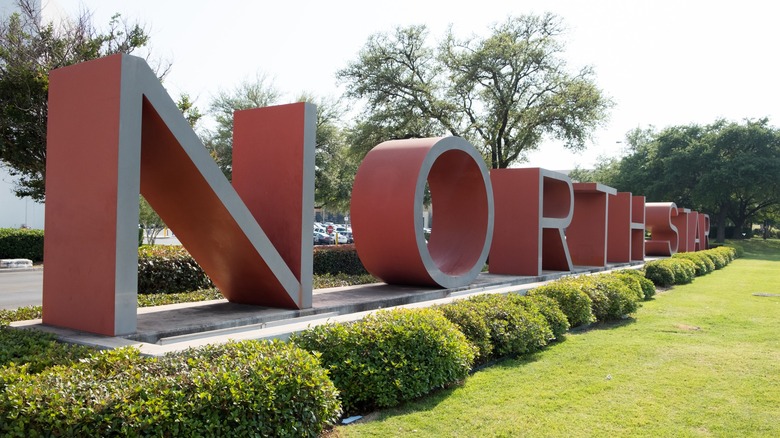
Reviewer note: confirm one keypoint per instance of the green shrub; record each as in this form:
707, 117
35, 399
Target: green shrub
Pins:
341, 279
160, 299
646, 286
20, 314
251, 388
727, 252
169, 269
660, 272
470, 318
632, 283
684, 270
515, 327
574, 303
718, 258
36, 350
703, 263
548, 308
611, 298
390, 356
21, 244
337, 259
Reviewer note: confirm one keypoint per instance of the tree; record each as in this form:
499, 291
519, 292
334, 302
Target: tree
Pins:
504, 93
332, 163
149, 220
726, 169
334, 167
249, 94
605, 171
29, 49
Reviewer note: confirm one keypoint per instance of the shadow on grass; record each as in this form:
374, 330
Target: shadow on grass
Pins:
431, 400
609, 325
757, 249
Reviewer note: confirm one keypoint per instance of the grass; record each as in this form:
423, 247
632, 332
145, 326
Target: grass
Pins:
700, 360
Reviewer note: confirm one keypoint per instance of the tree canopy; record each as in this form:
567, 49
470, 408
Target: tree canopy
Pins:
504, 93
332, 166
29, 49
726, 169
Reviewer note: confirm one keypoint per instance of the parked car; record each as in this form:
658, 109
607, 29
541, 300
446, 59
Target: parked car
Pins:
341, 238
322, 239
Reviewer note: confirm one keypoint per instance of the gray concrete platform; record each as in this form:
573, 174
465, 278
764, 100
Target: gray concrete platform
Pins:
175, 327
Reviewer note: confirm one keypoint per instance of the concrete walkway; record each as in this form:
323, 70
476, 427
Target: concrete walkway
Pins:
176, 327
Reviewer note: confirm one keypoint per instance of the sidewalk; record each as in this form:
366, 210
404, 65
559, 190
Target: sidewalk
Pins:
176, 327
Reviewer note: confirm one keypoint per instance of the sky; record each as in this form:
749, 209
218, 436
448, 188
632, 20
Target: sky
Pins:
662, 62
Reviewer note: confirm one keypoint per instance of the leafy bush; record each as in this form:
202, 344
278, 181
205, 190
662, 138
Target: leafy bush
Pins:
514, 329
390, 356
574, 303
36, 350
505, 325
728, 252
719, 258
337, 259
548, 308
169, 269
684, 270
20, 314
341, 279
469, 317
611, 298
660, 272
646, 286
159, 299
21, 244
251, 388
702, 263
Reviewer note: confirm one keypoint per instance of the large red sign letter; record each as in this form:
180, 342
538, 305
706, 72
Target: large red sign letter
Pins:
114, 132
387, 199
533, 208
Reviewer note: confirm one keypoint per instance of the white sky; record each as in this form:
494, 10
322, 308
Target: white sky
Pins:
662, 62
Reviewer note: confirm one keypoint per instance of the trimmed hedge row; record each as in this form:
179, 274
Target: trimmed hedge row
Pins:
390, 356
682, 268
21, 244
506, 325
276, 389
253, 388
169, 269
337, 259
598, 298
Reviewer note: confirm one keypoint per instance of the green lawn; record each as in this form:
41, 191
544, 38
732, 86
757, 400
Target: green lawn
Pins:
699, 360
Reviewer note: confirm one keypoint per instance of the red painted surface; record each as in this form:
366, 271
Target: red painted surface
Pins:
177, 191
681, 222
517, 237
386, 196
107, 142
587, 234
619, 228
664, 239
532, 208
81, 196
257, 246
703, 232
693, 222
637, 228
270, 176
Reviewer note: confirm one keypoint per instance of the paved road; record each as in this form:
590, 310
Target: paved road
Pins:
21, 288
